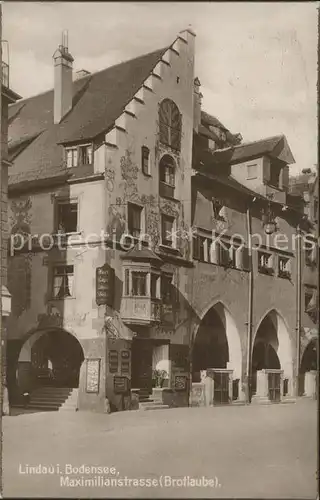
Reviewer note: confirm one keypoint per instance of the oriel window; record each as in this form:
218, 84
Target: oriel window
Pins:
139, 284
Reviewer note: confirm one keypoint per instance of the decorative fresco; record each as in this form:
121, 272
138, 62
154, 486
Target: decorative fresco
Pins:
20, 217
19, 283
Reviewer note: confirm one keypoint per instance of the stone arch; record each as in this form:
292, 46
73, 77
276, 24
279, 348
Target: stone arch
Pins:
59, 349
231, 333
279, 340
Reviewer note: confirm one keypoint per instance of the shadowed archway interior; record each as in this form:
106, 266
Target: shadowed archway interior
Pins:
211, 345
56, 357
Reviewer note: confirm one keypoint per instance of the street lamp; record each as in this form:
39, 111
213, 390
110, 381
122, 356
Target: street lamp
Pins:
268, 219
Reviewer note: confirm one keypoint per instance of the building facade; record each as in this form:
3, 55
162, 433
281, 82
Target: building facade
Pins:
131, 269
7, 97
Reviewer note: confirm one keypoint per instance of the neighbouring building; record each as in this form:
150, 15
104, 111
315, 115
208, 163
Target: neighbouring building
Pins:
8, 97
131, 270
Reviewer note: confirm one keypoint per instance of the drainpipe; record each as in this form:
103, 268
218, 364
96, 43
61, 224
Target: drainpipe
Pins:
250, 308
1, 324
298, 307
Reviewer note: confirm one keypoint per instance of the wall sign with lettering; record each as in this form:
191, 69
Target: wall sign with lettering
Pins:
125, 361
120, 385
113, 361
104, 285
93, 375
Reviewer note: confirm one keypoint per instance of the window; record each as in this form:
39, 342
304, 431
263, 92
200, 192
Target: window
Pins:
134, 220
227, 254
167, 230
154, 286
284, 267
310, 253
167, 176
79, 155
72, 157
67, 217
62, 282
170, 124
311, 302
252, 171
166, 289
85, 155
200, 248
275, 170
139, 284
218, 209
145, 160
315, 210
126, 282
265, 265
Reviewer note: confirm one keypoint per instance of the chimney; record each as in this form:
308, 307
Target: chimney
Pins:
197, 97
63, 87
81, 73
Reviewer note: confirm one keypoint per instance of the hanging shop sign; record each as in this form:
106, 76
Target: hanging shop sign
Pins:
104, 285
125, 361
113, 361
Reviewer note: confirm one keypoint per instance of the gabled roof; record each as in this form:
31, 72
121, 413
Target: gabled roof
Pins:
276, 147
99, 99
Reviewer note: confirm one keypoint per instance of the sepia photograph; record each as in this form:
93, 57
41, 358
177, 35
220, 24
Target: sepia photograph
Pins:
159, 250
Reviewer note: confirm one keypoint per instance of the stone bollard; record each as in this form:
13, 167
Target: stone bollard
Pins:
107, 408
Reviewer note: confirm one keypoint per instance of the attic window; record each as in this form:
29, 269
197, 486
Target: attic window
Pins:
79, 155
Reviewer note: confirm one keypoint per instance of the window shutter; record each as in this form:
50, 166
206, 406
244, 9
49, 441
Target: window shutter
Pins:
314, 253
266, 170
239, 258
224, 255
195, 242
205, 250
214, 252
271, 261
245, 259
284, 181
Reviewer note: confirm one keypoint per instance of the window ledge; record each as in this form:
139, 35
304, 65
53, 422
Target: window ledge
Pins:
55, 299
168, 248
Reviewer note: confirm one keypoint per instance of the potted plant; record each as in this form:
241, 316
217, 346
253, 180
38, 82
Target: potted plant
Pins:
158, 378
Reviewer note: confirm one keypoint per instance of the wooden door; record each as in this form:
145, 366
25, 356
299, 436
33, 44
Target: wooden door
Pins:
142, 365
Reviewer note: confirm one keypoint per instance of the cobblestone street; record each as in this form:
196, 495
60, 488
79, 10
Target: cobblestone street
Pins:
254, 451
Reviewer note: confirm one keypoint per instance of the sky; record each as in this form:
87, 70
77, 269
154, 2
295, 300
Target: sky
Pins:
257, 62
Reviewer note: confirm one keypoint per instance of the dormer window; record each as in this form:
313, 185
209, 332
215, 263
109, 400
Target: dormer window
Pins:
85, 155
79, 155
72, 157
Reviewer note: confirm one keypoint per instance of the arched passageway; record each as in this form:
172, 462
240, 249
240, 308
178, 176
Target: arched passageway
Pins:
308, 370
272, 351
217, 346
52, 357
